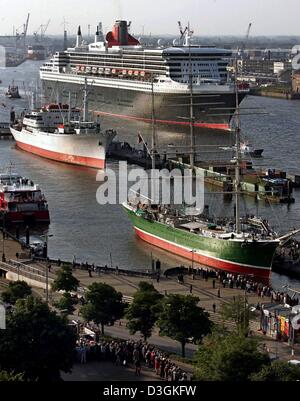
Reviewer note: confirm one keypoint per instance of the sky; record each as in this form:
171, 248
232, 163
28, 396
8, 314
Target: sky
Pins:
207, 17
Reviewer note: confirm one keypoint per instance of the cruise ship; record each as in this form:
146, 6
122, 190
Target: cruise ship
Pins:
131, 81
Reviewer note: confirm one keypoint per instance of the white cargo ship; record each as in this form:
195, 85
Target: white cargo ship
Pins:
57, 132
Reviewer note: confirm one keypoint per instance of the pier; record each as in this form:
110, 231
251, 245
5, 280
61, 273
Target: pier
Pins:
270, 186
5, 131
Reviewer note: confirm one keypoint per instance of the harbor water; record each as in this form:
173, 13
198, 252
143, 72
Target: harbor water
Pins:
102, 234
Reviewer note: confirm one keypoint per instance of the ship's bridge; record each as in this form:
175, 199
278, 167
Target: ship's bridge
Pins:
207, 64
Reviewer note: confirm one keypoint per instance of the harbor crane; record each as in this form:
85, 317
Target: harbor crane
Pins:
43, 29
245, 42
23, 35
186, 33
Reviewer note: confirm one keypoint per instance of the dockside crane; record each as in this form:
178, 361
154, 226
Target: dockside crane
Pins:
23, 35
245, 42
43, 29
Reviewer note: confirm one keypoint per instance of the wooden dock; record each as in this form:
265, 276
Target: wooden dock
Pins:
275, 188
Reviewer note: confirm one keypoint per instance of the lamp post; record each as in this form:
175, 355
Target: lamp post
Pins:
3, 239
245, 301
47, 236
193, 250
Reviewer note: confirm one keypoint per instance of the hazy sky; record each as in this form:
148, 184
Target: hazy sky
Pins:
207, 17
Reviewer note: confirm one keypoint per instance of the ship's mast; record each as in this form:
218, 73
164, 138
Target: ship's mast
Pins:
153, 145
192, 135
69, 114
186, 36
85, 101
237, 157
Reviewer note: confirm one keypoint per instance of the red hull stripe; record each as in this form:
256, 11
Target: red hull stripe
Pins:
201, 259
17, 217
62, 157
223, 127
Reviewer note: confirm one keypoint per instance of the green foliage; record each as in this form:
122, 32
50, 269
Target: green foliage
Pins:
65, 281
181, 318
11, 376
103, 306
143, 312
278, 371
36, 342
66, 303
239, 312
16, 290
228, 357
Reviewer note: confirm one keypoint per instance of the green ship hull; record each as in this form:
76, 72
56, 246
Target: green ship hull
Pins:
249, 258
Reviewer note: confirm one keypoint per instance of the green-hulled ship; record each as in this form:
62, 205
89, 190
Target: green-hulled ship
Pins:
199, 240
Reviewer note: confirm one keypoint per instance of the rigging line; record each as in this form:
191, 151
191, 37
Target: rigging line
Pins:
267, 199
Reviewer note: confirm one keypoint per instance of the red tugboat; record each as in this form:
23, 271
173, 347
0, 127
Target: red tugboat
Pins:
22, 201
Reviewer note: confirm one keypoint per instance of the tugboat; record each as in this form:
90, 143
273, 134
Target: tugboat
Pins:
13, 92
58, 132
21, 200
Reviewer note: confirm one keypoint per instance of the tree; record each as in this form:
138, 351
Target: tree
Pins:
65, 281
278, 371
181, 318
37, 342
228, 357
16, 290
239, 312
142, 313
104, 305
11, 377
66, 303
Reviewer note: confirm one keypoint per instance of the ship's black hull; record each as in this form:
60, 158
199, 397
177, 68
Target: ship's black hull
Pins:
210, 111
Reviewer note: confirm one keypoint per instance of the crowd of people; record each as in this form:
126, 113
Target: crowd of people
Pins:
246, 283
129, 353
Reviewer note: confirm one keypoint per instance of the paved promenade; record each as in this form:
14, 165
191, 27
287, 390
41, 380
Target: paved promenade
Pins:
128, 285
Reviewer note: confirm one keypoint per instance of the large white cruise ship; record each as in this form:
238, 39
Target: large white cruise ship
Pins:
125, 76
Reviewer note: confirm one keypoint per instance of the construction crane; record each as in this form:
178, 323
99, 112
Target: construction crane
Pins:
24, 33
245, 42
186, 33
42, 28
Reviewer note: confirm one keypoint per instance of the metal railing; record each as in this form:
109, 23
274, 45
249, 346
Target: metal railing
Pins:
24, 270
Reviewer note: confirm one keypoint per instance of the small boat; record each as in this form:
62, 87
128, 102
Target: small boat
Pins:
248, 150
13, 92
21, 200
